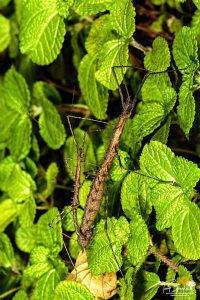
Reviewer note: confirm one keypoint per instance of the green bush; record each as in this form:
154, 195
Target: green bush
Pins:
81, 57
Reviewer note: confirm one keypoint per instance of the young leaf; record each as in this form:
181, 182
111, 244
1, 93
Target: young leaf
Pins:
138, 241
42, 30
158, 59
51, 127
113, 53
186, 108
122, 18
94, 93
185, 50
4, 33
104, 251
72, 290
186, 231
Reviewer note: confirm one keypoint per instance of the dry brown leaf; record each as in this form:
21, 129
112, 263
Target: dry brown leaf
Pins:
102, 286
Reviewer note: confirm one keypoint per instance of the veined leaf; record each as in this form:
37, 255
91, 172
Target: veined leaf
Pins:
51, 175
159, 162
4, 33
147, 119
104, 251
94, 93
138, 241
134, 195
195, 25
186, 108
162, 133
45, 286
72, 290
16, 92
127, 285
70, 152
26, 238
68, 222
26, 213
113, 53
99, 34
50, 236
89, 7
159, 58
185, 50
20, 138
186, 231
168, 200
8, 212
7, 258
21, 295
51, 127
42, 30
122, 17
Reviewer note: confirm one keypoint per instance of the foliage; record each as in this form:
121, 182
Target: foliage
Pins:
75, 57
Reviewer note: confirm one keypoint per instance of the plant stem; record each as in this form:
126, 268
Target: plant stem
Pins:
138, 46
164, 259
6, 294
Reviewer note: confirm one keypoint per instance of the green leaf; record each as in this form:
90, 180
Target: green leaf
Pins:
70, 152
197, 3
195, 25
90, 7
186, 108
186, 288
113, 53
120, 166
68, 222
7, 258
168, 200
50, 177
63, 7
104, 251
21, 295
134, 195
16, 92
42, 30
186, 232
39, 254
138, 241
27, 212
74, 247
69, 290
51, 127
4, 33
26, 238
4, 3
20, 138
127, 284
45, 286
162, 133
94, 93
17, 183
185, 50
148, 285
84, 191
160, 163
157, 88
122, 18
158, 59
147, 119
99, 34
8, 212
50, 236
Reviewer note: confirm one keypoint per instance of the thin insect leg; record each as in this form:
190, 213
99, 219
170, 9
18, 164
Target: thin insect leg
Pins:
88, 119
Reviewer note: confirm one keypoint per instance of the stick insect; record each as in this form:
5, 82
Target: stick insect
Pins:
96, 193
